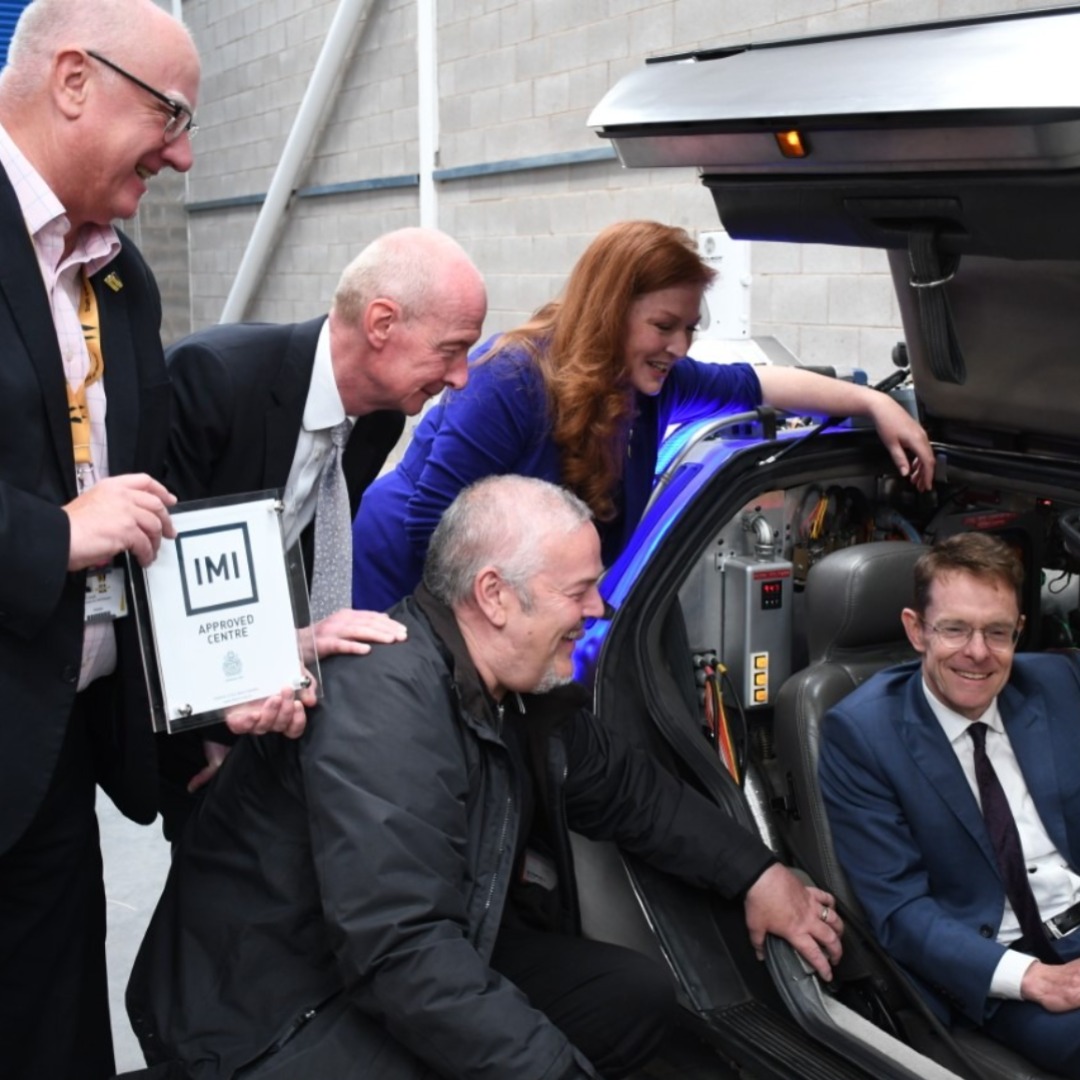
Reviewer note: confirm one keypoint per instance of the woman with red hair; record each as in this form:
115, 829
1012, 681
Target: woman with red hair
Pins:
581, 395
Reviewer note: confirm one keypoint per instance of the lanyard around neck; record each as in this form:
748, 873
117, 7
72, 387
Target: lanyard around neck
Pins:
78, 408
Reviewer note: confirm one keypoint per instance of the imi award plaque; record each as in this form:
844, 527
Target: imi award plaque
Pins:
222, 612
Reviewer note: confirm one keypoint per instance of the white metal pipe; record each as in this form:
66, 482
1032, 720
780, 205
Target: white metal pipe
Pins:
178, 15
427, 110
340, 41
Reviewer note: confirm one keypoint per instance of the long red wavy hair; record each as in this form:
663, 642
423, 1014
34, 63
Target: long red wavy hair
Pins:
578, 344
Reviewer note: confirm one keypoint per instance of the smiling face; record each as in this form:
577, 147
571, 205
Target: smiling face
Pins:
659, 330
123, 125
541, 635
967, 677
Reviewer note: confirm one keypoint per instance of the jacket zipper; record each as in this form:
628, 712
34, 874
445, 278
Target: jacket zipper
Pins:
558, 769
301, 1021
498, 854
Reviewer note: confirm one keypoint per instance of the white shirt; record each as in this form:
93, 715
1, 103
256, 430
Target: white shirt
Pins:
1054, 886
323, 411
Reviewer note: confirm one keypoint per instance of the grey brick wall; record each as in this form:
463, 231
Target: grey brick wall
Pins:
161, 231
516, 80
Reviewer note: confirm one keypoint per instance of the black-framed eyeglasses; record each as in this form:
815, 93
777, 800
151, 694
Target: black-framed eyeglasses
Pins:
180, 119
955, 635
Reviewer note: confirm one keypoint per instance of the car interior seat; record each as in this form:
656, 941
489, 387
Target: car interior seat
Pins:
853, 601
854, 597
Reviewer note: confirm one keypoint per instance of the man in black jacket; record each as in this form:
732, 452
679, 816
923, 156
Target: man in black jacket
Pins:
392, 896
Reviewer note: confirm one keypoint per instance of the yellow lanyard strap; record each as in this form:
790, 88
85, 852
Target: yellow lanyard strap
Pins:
78, 410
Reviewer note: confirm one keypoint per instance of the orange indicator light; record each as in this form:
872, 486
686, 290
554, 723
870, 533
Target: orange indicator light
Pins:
791, 144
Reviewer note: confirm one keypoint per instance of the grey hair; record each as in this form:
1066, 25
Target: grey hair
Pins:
500, 521
407, 266
45, 26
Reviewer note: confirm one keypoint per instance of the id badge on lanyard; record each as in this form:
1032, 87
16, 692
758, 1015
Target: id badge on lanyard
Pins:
106, 598
78, 407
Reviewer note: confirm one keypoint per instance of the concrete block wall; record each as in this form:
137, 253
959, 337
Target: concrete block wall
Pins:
516, 81
161, 231
525, 230
313, 247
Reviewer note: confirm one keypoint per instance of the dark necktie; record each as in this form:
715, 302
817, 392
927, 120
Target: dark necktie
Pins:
331, 574
1005, 838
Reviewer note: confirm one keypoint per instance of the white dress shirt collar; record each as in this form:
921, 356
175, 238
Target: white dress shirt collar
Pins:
323, 409
953, 724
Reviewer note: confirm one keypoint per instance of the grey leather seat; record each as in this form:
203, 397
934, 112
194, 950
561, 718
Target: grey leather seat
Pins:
853, 602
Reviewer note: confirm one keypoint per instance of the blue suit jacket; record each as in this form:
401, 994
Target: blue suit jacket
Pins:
908, 830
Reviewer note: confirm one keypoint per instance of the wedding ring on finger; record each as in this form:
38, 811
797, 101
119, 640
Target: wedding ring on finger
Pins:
825, 913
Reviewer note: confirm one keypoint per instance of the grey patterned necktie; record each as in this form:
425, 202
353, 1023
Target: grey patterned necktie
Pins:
331, 578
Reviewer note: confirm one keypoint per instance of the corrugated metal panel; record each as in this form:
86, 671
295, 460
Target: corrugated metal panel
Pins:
10, 10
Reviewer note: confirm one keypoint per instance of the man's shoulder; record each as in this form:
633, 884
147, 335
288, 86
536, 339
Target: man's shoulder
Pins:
386, 711
415, 669
254, 343
875, 704
1046, 671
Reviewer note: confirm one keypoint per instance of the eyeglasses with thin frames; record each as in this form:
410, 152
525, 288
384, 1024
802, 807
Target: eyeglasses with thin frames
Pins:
955, 635
180, 120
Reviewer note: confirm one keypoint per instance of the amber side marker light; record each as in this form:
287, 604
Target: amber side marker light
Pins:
792, 144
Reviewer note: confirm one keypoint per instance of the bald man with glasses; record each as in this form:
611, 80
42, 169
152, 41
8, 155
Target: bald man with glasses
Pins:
952, 786
97, 98
179, 119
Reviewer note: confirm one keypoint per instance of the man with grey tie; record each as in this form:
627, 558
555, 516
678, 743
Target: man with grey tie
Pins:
953, 790
315, 408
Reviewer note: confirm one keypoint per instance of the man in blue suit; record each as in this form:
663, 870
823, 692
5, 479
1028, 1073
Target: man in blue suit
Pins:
953, 790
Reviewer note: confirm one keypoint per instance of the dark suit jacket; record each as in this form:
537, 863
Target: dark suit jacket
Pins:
41, 604
909, 832
239, 394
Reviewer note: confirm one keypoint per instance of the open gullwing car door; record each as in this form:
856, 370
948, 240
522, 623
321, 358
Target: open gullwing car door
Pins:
955, 148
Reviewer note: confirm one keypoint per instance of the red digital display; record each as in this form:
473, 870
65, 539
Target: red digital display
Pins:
772, 595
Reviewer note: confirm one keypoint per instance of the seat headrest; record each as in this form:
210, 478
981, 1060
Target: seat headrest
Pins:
854, 597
